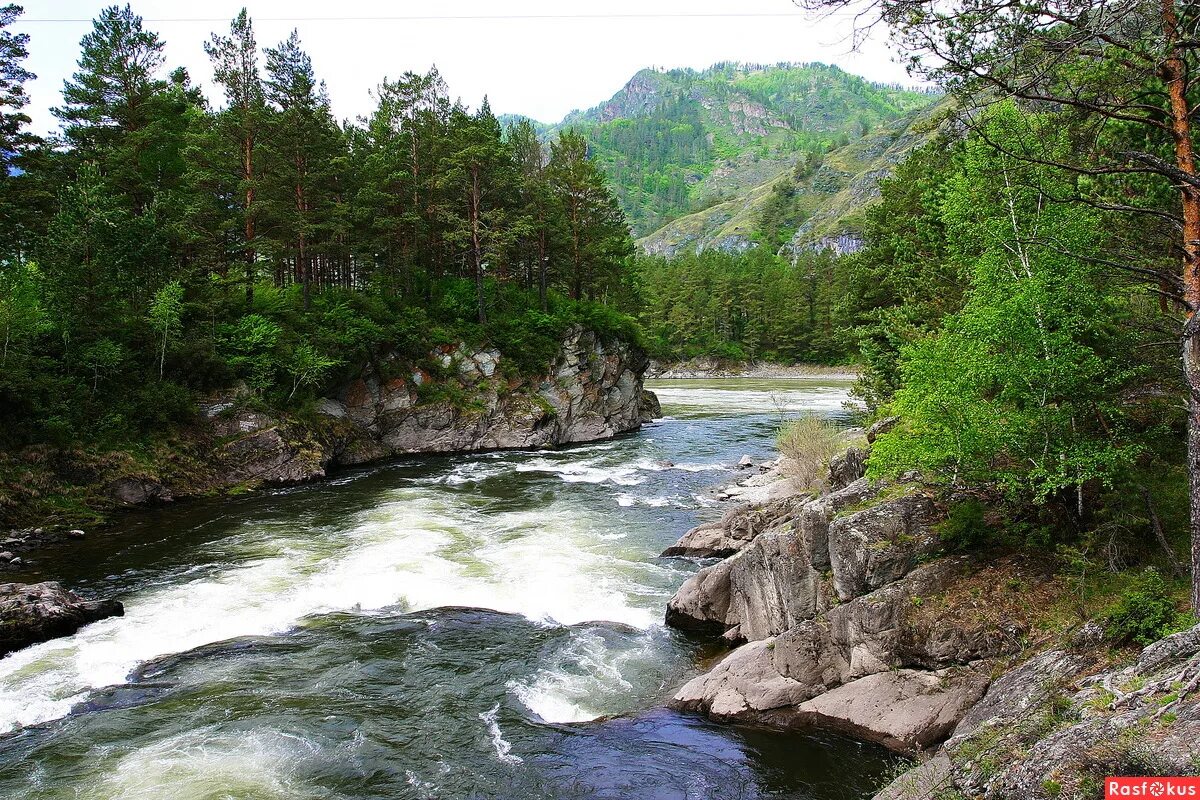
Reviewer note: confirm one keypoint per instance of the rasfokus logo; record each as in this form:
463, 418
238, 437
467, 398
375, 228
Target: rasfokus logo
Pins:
1157, 787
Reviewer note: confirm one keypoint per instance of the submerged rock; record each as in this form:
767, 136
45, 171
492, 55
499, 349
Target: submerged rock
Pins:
38, 612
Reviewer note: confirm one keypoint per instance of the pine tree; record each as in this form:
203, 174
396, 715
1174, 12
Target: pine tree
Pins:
302, 142
13, 75
15, 139
479, 177
539, 216
235, 67
596, 229
108, 101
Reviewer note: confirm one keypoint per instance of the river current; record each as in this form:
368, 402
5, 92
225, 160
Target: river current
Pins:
485, 626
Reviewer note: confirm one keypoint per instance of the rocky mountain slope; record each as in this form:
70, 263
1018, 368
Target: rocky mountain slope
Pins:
848, 616
676, 142
826, 204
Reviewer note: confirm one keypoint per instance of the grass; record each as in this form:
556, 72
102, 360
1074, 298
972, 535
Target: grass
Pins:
809, 443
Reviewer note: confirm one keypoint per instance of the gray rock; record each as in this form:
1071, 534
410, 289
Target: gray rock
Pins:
32, 613
736, 528
925, 781
777, 579
592, 390
881, 427
136, 491
881, 543
847, 467
274, 455
904, 710
835, 645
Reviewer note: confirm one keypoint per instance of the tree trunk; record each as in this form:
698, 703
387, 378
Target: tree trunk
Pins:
248, 176
543, 266
474, 211
1174, 74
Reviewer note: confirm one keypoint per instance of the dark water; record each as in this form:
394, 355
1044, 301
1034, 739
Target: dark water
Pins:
452, 627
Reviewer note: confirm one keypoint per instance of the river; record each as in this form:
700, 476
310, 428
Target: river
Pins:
485, 626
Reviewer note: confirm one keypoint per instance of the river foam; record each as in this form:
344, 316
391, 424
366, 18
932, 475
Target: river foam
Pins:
415, 551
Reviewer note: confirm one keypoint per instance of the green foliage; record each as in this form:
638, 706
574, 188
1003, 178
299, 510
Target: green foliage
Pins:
751, 305
1144, 613
307, 367
672, 142
249, 346
1017, 388
965, 528
165, 242
166, 315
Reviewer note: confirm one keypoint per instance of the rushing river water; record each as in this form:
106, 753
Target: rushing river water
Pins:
450, 627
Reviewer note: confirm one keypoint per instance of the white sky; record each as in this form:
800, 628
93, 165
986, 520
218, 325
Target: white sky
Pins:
525, 56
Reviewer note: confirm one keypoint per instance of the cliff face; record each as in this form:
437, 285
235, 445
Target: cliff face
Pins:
592, 390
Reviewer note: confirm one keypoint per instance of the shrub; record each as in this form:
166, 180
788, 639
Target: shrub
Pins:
1144, 613
810, 443
965, 527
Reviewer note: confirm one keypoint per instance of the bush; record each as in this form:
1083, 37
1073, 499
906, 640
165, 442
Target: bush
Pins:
965, 527
1144, 613
810, 443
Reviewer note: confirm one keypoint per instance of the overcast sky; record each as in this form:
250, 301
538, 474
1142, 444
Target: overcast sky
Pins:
541, 58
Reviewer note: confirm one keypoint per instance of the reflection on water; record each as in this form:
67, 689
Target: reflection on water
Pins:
322, 641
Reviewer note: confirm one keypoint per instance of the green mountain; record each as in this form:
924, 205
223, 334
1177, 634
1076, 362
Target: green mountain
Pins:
807, 203
683, 142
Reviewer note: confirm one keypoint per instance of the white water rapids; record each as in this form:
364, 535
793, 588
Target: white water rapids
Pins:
560, 538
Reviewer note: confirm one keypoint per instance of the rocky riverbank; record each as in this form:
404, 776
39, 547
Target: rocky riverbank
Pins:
845, 614
704, 367
458, 399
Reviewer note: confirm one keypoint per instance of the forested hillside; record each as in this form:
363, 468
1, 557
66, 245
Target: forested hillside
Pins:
679, 141
159, 248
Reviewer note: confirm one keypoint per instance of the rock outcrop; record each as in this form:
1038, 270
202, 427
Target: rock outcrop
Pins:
826, 594
851, 619
38, 612
468, 400
1055, 725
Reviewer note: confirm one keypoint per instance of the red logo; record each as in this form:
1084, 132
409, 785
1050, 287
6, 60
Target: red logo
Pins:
1151, 788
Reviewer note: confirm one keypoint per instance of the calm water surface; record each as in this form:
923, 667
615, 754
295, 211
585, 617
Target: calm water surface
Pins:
453, 627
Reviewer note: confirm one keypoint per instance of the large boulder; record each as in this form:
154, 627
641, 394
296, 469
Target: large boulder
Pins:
134, 490
38, 612
905, 710
275, 454
736, 528
651, 409
808, 657
881, 543
780, 578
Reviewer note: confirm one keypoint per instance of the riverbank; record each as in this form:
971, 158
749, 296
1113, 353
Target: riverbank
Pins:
708, 368
459, 399
847, 613
314, 637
